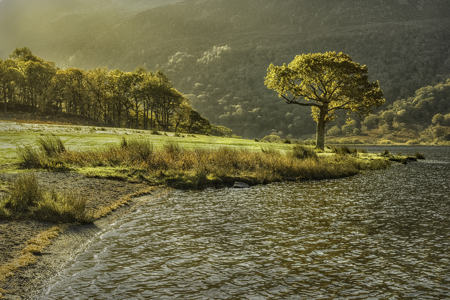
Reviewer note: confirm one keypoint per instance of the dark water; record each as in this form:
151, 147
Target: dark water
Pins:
380, 235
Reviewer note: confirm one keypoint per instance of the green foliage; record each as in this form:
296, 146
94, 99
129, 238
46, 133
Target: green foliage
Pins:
413, 142
371, 121
325, 82
440, 119
172, 148
138, 149
138, 99
334, 131
350, 141
268, 150
200, 179
221, 131
374, 164
424, 114
47, 155
198, 168
56, 207
350, 129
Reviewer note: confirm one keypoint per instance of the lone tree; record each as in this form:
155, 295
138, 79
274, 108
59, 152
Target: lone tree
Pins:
326, 83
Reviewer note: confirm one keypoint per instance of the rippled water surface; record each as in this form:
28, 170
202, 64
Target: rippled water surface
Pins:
380, 235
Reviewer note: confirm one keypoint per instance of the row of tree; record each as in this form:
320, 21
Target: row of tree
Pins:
139, 99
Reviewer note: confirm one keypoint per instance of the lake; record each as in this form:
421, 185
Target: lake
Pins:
379, 235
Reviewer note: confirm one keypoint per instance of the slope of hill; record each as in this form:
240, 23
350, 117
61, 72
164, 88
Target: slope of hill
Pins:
58, 28
217, 51
424, 117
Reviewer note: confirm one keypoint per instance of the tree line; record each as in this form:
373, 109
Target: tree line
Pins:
140, 99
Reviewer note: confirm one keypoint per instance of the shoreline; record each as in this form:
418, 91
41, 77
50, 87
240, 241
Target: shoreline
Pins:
30, 282
110, 197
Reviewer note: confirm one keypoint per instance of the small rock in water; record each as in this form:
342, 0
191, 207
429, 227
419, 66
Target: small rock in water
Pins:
240, 185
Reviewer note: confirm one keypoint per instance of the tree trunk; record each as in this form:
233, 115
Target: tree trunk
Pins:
4, 96
320, 133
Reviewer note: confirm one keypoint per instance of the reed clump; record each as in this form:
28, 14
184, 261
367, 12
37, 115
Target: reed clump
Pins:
46, 156
27, 200
51, 145
30, 157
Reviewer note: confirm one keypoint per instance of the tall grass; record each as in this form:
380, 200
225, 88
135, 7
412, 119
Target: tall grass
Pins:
171, 164
24, 194
45, 156
302, 152
138, 149
27, 200
29, 157
51, 145
269, 149
344, 150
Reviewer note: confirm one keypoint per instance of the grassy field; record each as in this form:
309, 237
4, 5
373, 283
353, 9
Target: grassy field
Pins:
83, 138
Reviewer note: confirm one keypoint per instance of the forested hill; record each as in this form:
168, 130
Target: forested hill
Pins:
217, 51
59, 28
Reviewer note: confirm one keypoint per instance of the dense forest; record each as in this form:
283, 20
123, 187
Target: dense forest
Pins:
423, 117
216, 52
140, 99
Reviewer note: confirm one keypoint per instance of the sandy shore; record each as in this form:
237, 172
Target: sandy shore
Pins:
28, 282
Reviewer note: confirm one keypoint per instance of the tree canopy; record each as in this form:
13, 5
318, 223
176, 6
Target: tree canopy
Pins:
139, 99
325, 82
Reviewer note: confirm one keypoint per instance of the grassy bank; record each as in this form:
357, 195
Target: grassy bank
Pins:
180, 161
176, 166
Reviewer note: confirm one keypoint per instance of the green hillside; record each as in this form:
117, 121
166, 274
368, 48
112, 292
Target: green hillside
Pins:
216, 52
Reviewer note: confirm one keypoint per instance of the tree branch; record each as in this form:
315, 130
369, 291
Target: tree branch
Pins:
314, 91
341, 106
294, 101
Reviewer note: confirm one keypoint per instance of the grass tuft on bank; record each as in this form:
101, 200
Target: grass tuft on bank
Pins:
26, 200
